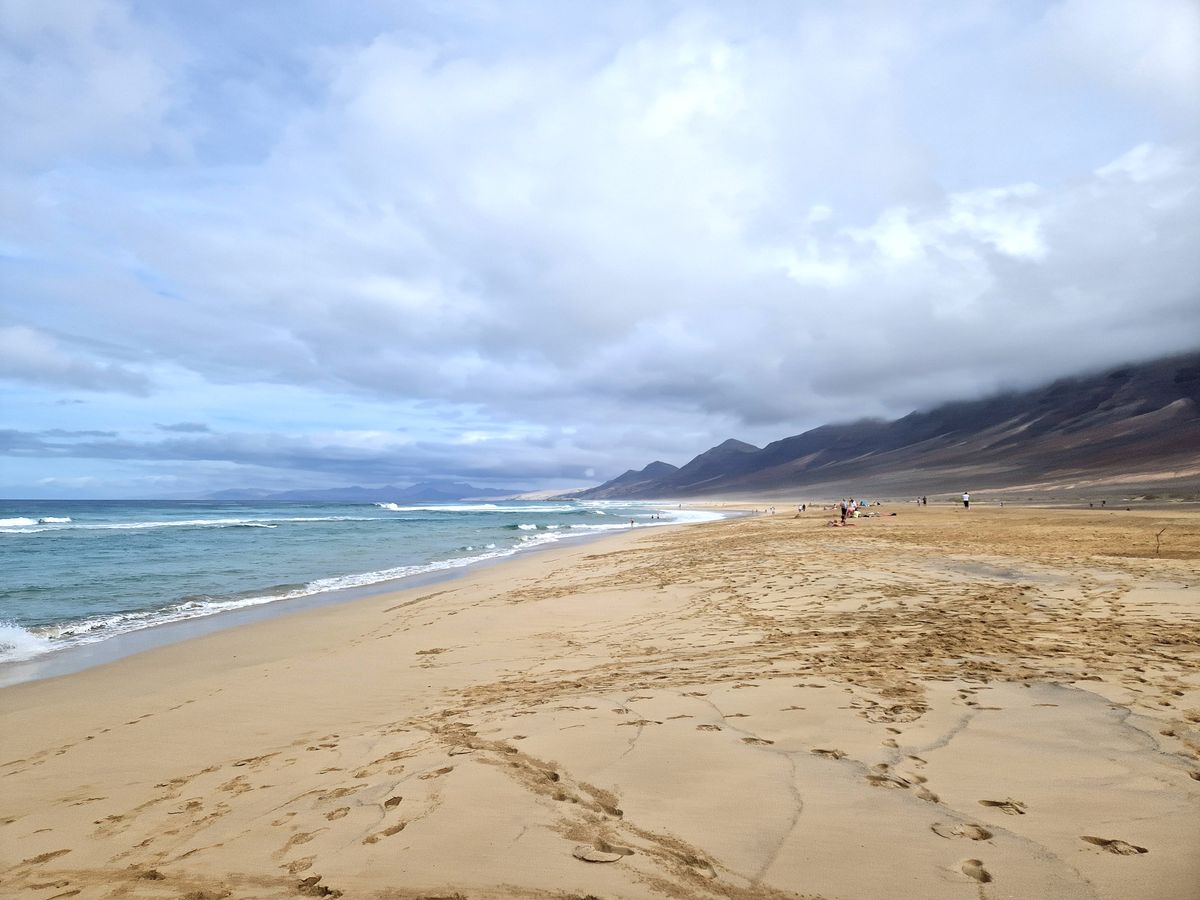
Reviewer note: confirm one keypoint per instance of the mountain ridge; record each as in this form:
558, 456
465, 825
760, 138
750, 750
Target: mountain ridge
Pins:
1133, 424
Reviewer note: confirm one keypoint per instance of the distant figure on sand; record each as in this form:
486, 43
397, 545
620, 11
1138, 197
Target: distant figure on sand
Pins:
966, 500
845, 508
924, 500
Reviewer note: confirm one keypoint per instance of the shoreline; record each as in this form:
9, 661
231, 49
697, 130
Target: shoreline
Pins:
75, 658
935, 705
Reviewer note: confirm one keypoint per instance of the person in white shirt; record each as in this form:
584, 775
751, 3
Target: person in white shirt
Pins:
966, 500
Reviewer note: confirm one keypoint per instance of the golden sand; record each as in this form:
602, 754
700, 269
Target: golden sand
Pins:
940, 704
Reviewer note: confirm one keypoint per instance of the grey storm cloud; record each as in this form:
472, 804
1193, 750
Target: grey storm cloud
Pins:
660, 224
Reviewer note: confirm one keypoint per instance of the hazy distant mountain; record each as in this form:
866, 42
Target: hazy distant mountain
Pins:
1136, 426
429, 490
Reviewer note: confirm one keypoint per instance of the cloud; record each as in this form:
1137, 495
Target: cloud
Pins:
30, 355
80, 77
184, 427
1147, 49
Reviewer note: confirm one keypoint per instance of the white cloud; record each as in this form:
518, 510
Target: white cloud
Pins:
1146, 47
80, 77
29, 355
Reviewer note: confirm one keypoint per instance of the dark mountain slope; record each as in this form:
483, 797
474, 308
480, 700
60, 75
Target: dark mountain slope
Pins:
1134, 425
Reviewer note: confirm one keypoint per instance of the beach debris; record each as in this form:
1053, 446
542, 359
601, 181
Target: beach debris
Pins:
1112, 845
461, 751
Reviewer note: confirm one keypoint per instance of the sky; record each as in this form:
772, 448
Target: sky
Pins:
300, 244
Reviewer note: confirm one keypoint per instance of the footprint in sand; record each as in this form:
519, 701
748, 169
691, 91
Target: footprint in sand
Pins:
44, 857
602, 853
960, 830
1010, 807
437, 773
973, 868
708, 728
754, 740
387, 832
392, 802
302, 837
337, 813
1112, 845
889, 743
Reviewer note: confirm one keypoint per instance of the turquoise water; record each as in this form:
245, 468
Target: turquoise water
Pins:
78, 572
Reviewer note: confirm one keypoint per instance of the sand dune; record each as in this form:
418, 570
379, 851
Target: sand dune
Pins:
1000, 703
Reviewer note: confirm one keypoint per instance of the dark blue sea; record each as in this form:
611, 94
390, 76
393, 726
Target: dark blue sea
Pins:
80, 572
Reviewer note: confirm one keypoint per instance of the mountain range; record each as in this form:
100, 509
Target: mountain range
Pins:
1131, 428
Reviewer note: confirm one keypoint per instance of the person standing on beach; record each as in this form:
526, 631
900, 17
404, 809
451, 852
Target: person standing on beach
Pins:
845, 509
966, 500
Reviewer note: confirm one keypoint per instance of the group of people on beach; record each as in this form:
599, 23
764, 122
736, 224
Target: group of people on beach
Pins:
848, 507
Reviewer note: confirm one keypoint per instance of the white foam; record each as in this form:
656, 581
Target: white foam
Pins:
16, 643
53, 520
478, 507
49, 524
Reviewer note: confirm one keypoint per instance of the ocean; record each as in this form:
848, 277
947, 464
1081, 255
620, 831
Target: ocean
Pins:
80, 572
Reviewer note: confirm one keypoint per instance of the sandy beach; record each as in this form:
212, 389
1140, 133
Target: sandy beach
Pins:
1000, 703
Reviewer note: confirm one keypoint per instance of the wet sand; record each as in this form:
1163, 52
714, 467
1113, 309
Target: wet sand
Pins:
941, 704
